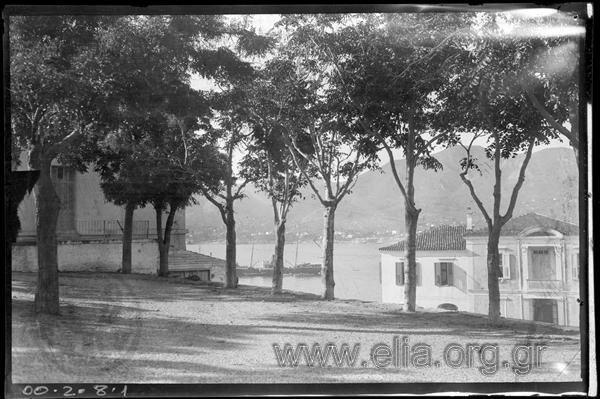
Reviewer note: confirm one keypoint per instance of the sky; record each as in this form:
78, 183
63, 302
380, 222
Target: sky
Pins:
264, 22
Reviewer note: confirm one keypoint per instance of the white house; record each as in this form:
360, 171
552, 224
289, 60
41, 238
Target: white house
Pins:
539, 259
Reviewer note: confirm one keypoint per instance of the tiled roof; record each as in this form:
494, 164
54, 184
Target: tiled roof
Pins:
439, 238
519, 224
451, 238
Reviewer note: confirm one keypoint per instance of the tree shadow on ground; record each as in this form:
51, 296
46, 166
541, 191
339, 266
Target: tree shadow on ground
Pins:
109, 333
429, 323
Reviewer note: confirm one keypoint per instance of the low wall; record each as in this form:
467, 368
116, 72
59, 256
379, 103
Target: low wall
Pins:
217, 274
97, 256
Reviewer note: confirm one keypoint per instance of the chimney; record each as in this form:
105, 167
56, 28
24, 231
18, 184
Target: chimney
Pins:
469, 219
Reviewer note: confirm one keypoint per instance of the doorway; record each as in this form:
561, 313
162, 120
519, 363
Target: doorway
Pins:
545, 310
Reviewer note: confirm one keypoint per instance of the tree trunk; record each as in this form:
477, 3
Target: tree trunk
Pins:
411, 218
278, 258
127, 237
165, 242
48, 208
493, 268
327, 265
231, 280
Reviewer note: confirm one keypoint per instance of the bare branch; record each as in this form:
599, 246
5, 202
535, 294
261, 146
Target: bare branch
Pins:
463, 177
291, 150
216, 203
240, 188
519, 184
428, 143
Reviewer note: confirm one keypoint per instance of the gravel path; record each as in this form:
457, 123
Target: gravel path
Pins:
143, 329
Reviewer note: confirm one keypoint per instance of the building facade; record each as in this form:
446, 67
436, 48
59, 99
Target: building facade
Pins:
539, 261
89, 232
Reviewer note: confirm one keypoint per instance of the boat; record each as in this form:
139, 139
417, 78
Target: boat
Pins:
313, 269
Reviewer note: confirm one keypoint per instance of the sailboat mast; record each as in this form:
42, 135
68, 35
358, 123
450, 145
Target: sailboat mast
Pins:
296, 258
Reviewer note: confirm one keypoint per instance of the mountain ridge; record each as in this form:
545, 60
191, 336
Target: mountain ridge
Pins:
376, 203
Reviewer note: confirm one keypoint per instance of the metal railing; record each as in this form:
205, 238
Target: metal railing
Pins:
112, 228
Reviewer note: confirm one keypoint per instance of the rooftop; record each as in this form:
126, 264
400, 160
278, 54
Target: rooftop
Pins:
451, 238
519, 224
438, 238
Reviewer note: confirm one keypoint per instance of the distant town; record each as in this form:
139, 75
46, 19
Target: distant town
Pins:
266, 237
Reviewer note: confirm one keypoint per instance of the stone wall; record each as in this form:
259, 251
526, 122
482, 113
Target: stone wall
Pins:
97, 256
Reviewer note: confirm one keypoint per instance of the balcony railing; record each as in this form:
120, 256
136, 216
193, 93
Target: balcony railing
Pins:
544, 285
112, 228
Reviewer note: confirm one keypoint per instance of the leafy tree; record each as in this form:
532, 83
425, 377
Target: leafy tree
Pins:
231, 129
326, 156
267, 163
179, 168
118, 182
322, 145
386, 73
229, 123
146, 68
548, 70
52, 106
478, 100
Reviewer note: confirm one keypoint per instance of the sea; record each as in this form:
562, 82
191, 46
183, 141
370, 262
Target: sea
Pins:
356, 266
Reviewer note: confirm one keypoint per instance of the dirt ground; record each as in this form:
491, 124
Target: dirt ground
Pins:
144, 329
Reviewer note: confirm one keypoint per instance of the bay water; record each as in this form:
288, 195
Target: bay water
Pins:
356, 266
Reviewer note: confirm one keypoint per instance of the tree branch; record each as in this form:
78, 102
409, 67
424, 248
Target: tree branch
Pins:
216, 203
519, 184
297, 163
240, 188
463, 177
548, 117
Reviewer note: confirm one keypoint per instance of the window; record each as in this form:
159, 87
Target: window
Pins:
444, 274
504, 264
542, 265
399, 273
575, 266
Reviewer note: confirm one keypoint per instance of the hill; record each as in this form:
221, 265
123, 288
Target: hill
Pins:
376, 204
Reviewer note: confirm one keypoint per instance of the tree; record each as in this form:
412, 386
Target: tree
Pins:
146, 68
267, 162
180, 166
327, 151
477, 99
229, 123
52, 107
386, 73
549, 70
118, 185
231, 129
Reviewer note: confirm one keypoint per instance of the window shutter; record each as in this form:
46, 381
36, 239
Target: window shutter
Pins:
450, 274
399, 273
419, 278
438, 274
505, 266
